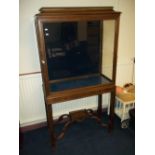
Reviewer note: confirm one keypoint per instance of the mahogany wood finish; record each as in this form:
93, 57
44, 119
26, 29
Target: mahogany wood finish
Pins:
48, 15
99, 109
78, 116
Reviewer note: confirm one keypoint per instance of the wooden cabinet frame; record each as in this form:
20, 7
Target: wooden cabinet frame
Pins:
75, 14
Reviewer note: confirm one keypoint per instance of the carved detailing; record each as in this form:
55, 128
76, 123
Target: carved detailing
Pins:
78, 116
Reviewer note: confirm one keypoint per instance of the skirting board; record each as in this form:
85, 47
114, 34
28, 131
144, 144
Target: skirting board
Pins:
39, 124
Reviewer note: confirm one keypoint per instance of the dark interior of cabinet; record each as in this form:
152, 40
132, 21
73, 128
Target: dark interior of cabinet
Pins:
79, 82
77, 48
72, 49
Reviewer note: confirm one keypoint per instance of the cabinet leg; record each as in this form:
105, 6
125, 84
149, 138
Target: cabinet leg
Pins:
111, 116
50, 125
99, 109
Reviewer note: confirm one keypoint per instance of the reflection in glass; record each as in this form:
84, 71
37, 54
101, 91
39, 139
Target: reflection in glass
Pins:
72, 48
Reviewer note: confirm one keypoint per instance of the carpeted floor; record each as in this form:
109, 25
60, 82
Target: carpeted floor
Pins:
85, 138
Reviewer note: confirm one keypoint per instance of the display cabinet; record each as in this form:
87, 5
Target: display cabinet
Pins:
78, 55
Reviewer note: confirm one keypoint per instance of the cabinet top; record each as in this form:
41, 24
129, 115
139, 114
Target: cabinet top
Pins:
77, 10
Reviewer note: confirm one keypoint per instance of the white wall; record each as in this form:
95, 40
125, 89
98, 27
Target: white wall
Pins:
126, 46
31, 106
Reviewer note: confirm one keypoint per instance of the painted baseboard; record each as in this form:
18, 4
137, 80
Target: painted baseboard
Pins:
41, 123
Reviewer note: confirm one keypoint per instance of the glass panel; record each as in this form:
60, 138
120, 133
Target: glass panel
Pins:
72, 48
78, 83
108, 47
78, 52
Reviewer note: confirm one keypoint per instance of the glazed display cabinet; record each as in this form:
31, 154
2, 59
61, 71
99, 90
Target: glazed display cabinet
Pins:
78, 55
